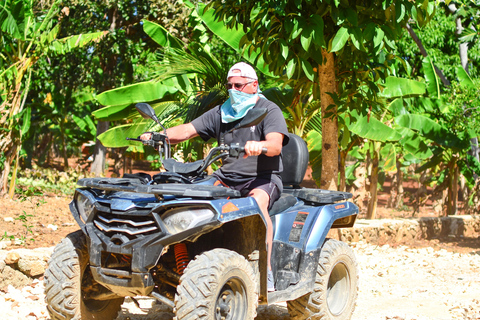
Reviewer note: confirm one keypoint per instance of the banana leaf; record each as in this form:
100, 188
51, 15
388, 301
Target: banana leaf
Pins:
314, 143
431, 130
433, 83
138, 92
415, 144
400, 87
85, 124
371, 129
160, 35
65, 45
389, 157
116, 137
464, 78
231, 37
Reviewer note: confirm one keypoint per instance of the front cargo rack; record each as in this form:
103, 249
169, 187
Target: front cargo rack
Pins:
173, 189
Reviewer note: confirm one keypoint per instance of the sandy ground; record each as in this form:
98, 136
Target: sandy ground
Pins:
395, 283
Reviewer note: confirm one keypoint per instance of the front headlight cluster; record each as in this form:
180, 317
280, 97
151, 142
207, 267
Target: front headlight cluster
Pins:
84, 205
181, 219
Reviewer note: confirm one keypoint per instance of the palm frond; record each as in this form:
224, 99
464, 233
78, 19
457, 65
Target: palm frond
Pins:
315, 123
205, 101
174, 62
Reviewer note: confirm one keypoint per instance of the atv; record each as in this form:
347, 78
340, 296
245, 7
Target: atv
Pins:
199, 247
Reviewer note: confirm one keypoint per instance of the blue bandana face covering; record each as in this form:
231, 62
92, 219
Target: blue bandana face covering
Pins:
237, 106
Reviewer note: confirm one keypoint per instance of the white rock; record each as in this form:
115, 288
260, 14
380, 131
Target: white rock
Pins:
53, 227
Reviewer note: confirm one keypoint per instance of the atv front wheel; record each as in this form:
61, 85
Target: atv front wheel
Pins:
67, 280
335, 292
218, 284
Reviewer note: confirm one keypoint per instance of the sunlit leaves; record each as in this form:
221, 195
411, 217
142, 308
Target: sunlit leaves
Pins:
400, 87
160, 35
340, 39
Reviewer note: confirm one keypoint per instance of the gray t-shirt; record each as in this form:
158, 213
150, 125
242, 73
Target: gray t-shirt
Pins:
209, 125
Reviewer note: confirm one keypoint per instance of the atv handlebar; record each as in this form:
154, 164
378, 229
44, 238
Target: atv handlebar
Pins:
157, 140
224, 151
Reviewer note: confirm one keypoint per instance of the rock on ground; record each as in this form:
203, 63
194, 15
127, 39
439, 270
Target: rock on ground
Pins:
395, 283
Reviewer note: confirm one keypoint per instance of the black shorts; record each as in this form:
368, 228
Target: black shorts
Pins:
266, 185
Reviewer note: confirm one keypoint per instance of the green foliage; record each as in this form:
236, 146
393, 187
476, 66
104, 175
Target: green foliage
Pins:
441, 43
306, 27
41, 180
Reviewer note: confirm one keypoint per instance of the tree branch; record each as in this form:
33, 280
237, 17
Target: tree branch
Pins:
425, 54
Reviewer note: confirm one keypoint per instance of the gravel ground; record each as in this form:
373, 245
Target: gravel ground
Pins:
395, 283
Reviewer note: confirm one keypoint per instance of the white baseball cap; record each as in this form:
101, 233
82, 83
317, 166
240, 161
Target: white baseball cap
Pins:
245, 69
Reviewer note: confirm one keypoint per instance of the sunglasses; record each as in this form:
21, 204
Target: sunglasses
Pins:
238, 86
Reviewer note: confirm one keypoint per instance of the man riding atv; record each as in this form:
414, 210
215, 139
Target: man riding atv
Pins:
255, 175
199, 247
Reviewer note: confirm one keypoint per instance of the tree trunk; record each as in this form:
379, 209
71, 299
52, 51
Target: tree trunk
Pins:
372, 203
343, 183
463, 46
455, 191
450, 194
398, 203
64, 146
326, 78
100, 152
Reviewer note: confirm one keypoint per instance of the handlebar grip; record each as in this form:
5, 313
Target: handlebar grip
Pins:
264, 150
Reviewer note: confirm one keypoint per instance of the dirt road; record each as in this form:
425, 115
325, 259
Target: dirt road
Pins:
395, 283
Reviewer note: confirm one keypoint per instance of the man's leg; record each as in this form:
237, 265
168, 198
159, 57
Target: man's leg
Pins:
263, 200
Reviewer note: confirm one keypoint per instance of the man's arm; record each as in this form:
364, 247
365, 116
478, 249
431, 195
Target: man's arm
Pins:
176, 134
181, 133
273, 142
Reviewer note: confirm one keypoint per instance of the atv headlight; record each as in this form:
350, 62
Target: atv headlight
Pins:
181, 219
84, 205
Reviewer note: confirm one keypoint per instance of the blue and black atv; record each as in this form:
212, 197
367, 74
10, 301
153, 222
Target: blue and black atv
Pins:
200, 248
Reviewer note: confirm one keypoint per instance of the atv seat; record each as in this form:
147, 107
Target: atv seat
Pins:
188, 168
295, 161
283, 203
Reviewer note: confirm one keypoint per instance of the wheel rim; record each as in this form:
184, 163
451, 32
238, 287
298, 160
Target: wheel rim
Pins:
338, 290
232, 301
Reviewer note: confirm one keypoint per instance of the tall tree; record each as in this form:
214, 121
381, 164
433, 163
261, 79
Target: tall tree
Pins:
27, 34
323, 46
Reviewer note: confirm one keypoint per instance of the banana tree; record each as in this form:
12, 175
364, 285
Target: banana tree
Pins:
450, 137
26, 36
382, 135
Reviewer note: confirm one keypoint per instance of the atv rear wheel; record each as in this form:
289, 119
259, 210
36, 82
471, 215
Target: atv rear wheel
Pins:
335, 291
66, 280
218, 284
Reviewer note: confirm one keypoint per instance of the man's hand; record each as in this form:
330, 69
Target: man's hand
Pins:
146, 136
272, 145
253, 148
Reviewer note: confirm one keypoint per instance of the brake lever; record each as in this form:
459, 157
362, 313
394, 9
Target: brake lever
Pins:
154, 142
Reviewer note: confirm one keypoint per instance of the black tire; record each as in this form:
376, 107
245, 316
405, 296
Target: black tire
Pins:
67, 269
336, 284
218, 283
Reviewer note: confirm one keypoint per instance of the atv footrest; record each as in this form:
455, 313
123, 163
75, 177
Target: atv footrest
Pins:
285, 279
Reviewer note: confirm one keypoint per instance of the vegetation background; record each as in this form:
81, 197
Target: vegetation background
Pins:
384, 92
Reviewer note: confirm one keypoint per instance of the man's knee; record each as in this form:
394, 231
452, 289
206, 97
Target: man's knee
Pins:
261, 196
